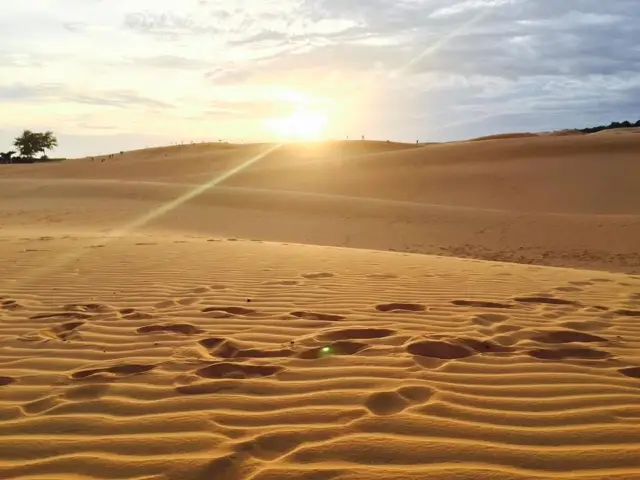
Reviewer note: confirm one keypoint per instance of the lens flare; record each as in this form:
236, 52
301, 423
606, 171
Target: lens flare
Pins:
81, 250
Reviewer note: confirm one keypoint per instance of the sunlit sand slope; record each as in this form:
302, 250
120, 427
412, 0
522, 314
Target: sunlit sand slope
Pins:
563, 201
178, 358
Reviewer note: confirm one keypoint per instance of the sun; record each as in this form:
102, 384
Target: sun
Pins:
302, 124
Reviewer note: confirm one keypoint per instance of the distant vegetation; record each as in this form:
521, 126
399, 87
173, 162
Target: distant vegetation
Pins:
29, 144
611, 126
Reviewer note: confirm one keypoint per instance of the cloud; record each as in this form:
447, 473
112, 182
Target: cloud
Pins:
402, 69
57, 93
165, 62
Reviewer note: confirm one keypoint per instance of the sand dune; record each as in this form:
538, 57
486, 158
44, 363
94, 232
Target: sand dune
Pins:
192, 313
503, 136
526, 200
173, 358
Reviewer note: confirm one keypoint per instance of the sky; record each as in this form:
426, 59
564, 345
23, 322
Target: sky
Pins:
111, 75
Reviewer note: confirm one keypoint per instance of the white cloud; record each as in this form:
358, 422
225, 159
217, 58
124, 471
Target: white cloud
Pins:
94, 67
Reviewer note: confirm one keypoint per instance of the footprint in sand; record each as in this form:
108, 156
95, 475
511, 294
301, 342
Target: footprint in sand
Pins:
240, 311
596, 309
200, 290
186, 302
570, 353
439, 349
165, 304
325, 317
586, 325
481, 304
4, 381
485, 346
117, 371
10, 305
454, 348
179, 328
237, 370
339, 348
318, 275
390, 403
355, 334
633, 372
211, 342
86, 392
41, 405
65, 330
488, 319
89, 307
228, 349
567, 336
506, 328
399, 307
628, 313
133, 314
546, 301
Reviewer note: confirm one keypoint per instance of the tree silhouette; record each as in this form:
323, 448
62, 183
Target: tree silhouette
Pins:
611, 126
5, 157
30, 143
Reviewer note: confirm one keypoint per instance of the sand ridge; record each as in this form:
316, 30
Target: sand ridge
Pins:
184, 357
569, 201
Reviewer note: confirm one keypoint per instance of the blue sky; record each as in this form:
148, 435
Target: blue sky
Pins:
110, 75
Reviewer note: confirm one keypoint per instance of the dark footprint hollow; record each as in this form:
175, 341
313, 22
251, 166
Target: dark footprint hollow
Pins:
436, 349
567, 336
480, 304
4, 381
88, 307
66, 329
180, 328
314, 276
570, 353
398, 307
119, 370
328, 317
628, 313
133, 314
545, 300
633, 372
212, 342
356, 333
237, 370
342, 347
69, 326
489, 318
485, 346
230, 310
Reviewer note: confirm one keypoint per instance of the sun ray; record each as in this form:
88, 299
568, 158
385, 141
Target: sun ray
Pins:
81, 250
